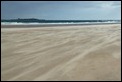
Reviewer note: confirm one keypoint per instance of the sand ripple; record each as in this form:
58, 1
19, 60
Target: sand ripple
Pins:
63, 53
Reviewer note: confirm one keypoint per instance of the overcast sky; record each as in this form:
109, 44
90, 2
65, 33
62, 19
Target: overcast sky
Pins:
61, 10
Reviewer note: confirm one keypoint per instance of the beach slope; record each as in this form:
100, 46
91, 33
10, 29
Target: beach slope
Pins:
85, 53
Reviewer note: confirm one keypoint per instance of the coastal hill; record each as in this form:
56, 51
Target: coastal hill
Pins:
31, 20
22, 20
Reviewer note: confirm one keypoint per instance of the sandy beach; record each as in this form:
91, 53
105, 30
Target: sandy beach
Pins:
61, 53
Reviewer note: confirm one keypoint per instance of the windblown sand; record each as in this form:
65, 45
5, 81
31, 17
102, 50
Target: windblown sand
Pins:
61, 53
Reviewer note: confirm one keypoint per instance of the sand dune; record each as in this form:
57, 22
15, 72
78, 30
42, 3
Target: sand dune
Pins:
91, 53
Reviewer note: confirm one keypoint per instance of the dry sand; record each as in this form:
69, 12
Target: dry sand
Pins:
91, 53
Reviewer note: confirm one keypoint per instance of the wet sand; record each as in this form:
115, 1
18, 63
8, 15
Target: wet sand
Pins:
61, 53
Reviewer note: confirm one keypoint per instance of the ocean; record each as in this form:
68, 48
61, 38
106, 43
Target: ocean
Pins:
55, 22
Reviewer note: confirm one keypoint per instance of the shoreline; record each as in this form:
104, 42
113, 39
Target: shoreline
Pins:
53, 25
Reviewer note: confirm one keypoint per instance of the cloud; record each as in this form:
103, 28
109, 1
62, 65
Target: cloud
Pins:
108, 4
59, 9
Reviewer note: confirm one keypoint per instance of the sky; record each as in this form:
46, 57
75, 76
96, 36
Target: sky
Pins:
61, 10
